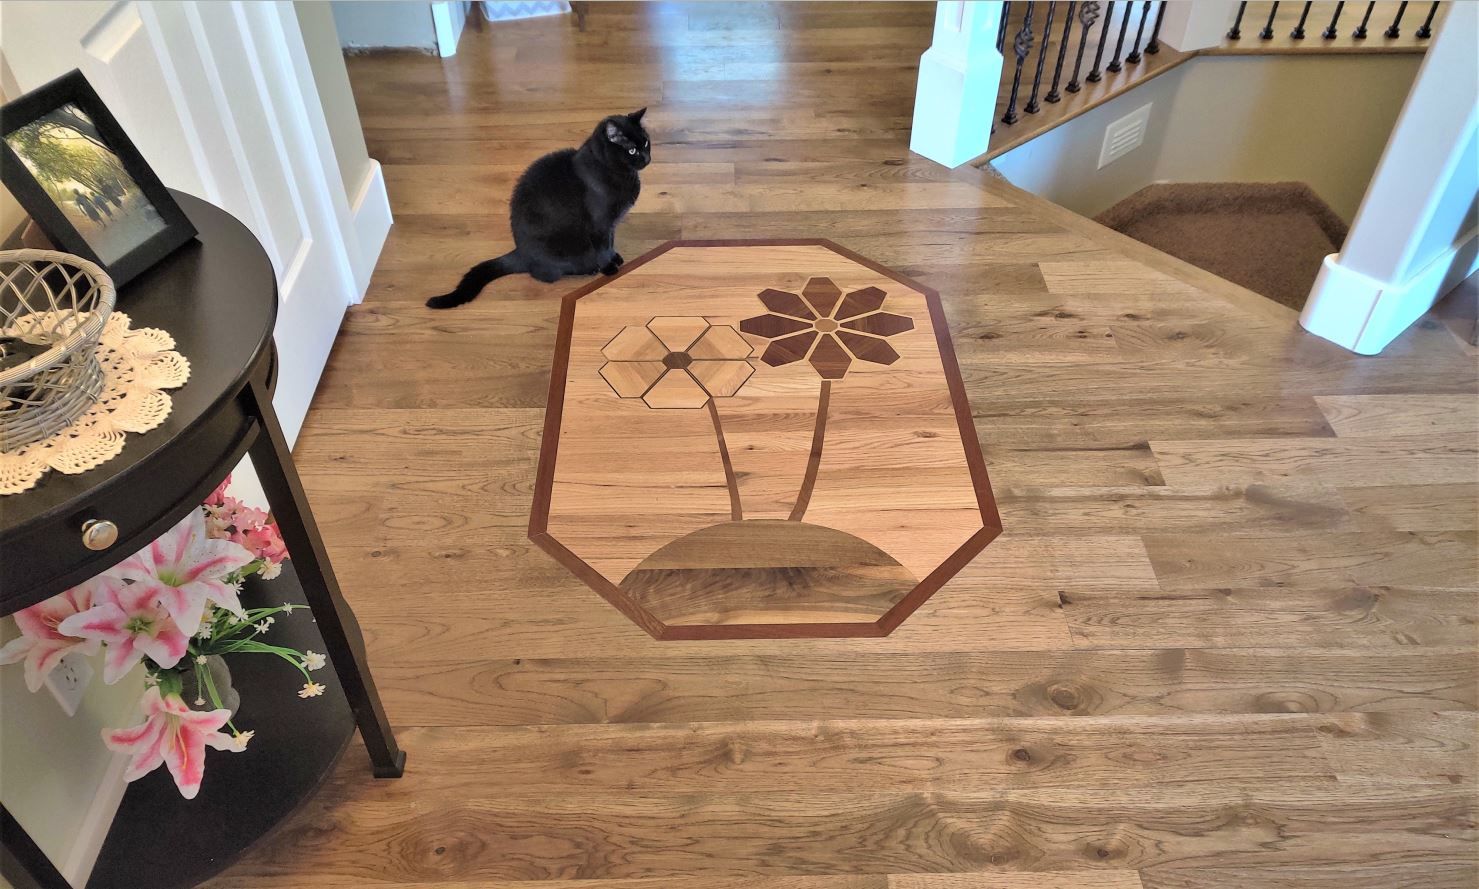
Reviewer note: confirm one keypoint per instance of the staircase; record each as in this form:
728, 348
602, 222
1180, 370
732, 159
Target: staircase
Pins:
1064, 59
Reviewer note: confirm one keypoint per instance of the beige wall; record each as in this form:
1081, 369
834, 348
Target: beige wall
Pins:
1323, 121
326, 58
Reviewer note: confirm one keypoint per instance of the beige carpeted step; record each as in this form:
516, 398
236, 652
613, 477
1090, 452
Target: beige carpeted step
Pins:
1267, 236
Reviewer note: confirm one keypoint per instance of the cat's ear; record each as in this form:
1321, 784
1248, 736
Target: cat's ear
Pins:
636, 116
613, 133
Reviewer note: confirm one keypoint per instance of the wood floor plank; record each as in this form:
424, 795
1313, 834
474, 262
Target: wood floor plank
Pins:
969, 755
1364, 416
1254, 510
775, 834
1383, 748
1453, 506
1347, 462
1354, 617
1373, 872
422, 688
1439, 559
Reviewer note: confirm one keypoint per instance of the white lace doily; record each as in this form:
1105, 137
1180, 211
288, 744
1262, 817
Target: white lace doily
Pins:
137, 365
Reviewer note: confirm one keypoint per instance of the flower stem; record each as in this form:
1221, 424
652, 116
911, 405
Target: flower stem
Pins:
814, 462
736, 513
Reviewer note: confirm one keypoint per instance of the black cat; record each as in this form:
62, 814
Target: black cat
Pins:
565, 209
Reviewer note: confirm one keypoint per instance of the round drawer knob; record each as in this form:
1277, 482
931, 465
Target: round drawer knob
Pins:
99, 533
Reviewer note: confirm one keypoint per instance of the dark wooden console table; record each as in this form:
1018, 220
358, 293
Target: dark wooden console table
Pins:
218, 299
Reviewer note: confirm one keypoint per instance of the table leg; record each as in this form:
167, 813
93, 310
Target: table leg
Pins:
22, 863
336, 621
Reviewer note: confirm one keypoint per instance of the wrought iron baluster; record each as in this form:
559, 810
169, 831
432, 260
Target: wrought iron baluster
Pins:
1033, 106
1154, 46
1360, 32
1426, 30
1021, 47
1088, 13
1001, 28
1053, 94
1396, 29
1134, 56
1330, 32
1119, 45
1268, 28
1298, 32
1094, 75
1236, 30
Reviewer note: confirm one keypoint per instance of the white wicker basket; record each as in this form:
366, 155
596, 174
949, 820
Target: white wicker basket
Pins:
53, 307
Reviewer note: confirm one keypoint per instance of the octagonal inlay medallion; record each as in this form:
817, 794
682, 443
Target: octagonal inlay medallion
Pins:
759, 439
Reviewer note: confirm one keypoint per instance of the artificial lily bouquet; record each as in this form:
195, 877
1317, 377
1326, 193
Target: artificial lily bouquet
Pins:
173, 607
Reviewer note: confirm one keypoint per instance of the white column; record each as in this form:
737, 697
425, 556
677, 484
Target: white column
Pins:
1415, 235
1190, 26
955, 98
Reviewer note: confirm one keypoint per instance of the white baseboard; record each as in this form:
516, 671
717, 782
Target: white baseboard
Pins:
369, 210
1364, 315
83, 855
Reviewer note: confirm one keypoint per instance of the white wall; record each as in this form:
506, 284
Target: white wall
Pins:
373, 24
394, 24
1322, 121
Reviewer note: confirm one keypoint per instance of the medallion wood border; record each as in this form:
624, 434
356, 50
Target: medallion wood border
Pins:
890, 620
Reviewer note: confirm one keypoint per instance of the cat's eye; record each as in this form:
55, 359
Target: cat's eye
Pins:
631, 151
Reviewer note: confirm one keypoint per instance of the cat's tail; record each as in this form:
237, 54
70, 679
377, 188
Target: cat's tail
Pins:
477, 278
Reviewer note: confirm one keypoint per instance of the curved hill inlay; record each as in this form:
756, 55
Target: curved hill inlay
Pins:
757, 439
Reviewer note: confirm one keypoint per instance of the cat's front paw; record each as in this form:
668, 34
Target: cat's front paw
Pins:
617, 261
609, 269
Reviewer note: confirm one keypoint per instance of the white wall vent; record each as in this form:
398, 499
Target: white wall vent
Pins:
1124, 135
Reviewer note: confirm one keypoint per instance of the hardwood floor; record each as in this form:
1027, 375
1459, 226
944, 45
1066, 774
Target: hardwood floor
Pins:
1227, 639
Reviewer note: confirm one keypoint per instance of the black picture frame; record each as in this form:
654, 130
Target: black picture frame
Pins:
174, 228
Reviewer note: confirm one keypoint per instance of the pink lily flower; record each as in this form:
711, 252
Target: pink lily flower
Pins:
172, 734
41, 644
133, 623
186, 568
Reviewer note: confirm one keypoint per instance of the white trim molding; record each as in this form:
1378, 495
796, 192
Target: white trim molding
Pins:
1364, 315
369, 212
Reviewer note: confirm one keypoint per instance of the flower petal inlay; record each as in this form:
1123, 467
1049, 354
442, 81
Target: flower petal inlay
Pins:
676, 389
634, 344
868, 348
631, 378
823, 295
721, 341
791, 348
829, 359
860, 302
786, 303
772, 326
881, 324
677, 333
721, 378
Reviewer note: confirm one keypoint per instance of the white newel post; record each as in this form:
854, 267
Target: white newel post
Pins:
1415, 235
1190, 26
955, 98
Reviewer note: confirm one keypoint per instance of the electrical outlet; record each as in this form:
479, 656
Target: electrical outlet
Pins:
68, 680
1124, 135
